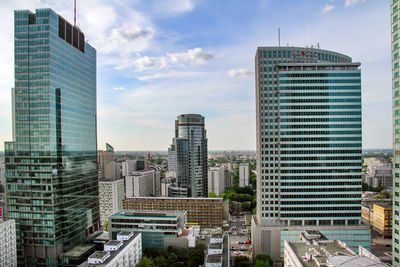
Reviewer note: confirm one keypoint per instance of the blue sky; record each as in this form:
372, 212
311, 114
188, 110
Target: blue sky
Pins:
161, 58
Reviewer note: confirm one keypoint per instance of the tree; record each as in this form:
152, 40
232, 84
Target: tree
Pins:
212, 194
196, 256
105, 225
146, 262
242, 261
263, 260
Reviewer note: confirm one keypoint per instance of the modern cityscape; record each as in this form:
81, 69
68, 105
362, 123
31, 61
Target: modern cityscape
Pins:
172, 133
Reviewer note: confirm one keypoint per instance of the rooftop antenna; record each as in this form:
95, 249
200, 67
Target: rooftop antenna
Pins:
279, 37
74, 13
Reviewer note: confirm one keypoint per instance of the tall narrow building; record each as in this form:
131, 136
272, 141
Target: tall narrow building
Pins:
187, 157
395, 14
51, 164
309, 145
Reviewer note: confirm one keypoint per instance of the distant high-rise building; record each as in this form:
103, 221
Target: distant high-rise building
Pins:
104, 157
244, 174
51, 166
216, 180
309, 145
187, 156
395, 14
111, 194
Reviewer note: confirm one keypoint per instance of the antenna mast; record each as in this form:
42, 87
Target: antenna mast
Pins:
74, 13
279, 36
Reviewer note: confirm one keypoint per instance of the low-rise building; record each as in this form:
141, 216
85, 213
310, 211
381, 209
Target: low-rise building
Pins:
313, 250
111, 194
143, 184
382, 219
218, 254
155, 226
206, 212
8, 245
125, 251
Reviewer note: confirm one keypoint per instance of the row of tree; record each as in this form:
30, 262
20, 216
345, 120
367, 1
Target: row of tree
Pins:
261, 260
173, 257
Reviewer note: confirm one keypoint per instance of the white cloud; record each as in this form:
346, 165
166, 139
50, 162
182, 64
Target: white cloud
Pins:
119, 88
241, 72
194, 56
168, 75
328, 8
349, 3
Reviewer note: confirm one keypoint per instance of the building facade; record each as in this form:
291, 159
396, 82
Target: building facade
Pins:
155, 226
379, 173
187, 156
111, 194
382, 219
51, 163
216, 180
143, 184
309, 142
206, 212
395, 14
8, 244
103, 158
244, 174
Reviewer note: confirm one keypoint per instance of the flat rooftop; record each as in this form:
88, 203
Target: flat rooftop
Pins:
153, 214
214, 258
184, 199
320, 252
215, 246
101, 254
78, 250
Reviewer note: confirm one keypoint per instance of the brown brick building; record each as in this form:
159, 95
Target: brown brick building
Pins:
206, 212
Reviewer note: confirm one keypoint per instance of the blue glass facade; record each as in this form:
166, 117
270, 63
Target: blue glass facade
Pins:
51, 164
308, 137
309, 145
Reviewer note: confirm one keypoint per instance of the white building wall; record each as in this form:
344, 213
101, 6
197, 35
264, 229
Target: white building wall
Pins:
216, 180
244, 174
111, 194
8, 247
143, 184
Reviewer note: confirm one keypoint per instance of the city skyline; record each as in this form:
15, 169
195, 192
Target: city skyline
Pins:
144, 84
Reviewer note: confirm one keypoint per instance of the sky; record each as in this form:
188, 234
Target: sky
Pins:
160, 58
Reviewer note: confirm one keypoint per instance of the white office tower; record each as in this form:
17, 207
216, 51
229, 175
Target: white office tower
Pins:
127, 167
111, 194
216, 180
143, 184
8, 245
244, 174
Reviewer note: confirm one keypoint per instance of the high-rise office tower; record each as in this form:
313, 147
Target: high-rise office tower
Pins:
187, 157
104, 158
244, 174
51, 164
309, 167
395, 14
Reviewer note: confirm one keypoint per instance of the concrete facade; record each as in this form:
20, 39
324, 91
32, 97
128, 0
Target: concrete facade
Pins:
244, 174
8, 244
143, 184
111, 194
216, 180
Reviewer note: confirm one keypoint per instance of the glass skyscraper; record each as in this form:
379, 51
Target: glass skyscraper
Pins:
188, 155
395, 14
309, 145
51, 164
